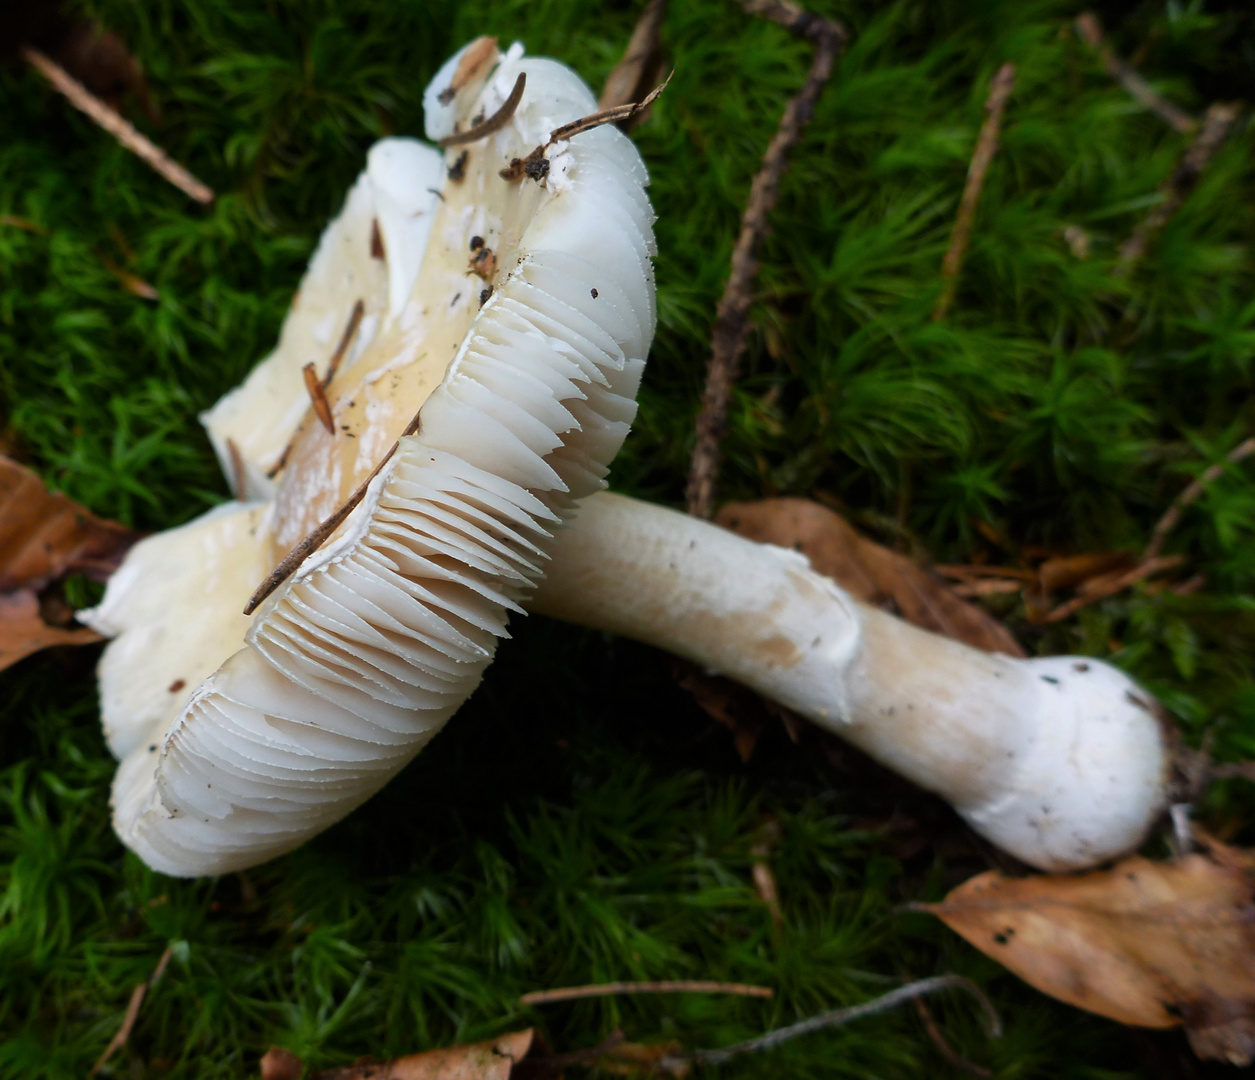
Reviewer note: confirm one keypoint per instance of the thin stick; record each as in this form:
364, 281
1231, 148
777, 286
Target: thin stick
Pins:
132, 1011
641, 63
318, 397
495, 122
346, 339
117, 126
1090, 29
14, 222
728, 334
982, 157
318, 537
616, 115
239, 477
1103, 587
1197, 486
1217, 122
943, 1046
572, 993
840, 1017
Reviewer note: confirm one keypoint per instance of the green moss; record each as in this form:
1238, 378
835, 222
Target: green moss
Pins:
608, 836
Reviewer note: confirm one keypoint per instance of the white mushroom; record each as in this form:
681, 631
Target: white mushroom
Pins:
358, 659
478, 401
1059, 761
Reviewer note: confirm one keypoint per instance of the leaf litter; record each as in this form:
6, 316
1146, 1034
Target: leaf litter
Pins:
1148, 944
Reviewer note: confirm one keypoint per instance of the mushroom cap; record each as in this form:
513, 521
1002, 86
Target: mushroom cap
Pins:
523, 374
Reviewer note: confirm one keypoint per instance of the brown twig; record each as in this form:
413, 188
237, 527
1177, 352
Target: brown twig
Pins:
14, 222
346, 339
1197, 486
478, 53
1090, 29
640, 66
132, 1011
1217, 122
495, 122
239, 477
117, 126
943, 1046
729, 332
680, 986
318, 398
318, 537
536, 165
1100, 588
982, 157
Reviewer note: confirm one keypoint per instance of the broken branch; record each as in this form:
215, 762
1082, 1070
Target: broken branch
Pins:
1217, 122
1197, 486
982, 157
683, 986
1090, 29
728, 334
117, 126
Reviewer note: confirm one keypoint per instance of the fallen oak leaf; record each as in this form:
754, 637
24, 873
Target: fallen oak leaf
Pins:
44, 535
1147, 944
867, 570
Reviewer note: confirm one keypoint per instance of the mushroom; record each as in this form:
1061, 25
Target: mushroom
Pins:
472, 402
1058, 760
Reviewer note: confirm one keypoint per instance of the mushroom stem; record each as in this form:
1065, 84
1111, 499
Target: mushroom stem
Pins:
1059, 760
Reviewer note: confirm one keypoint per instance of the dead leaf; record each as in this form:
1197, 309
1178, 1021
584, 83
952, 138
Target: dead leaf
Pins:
737, 708
44, 535
641, 67
23, 631
869, 571
493, 1059
1148, 944
280, 1064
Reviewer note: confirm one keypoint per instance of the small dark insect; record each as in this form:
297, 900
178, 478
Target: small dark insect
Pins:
477, 242
376, 241
484, 262
177, 685
457, 171
484, 294
593, 293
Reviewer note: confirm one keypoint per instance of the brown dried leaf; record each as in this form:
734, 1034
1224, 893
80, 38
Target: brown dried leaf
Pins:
44, 535
869, 571
641, 67
493, 1059
23, 631
1148, 944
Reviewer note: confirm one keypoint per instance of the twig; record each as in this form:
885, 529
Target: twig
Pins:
641, 64
318, 397
14, 222
839, 1017
689, 986
1090, 29
117, 126
728, 334
346, 339
943, 1046
1217, 122
982, 157
495, 122
1240, 770
1197, 486
239, 477
1102, 587
132, 1011
474, 56
536, 165
318, 537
